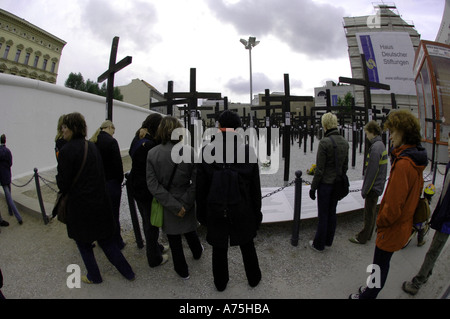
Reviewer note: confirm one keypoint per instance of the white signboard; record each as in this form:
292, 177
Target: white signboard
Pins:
389, 59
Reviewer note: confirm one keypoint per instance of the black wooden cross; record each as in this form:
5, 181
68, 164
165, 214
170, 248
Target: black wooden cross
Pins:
109, 74
367, 85
286, 100
434, 121
191, 98
367, 96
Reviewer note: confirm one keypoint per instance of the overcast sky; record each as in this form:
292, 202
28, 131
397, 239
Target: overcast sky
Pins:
166, 38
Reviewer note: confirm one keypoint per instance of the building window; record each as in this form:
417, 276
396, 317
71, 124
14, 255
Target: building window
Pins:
53, 67
16, 59
44, 66
5, 55
27, 59
36, 60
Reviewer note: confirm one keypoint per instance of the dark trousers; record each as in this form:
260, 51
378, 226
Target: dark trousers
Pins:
176, 247
151, 233
370, 217
326, 204
112, 252
114, 191
382, 259
220, 265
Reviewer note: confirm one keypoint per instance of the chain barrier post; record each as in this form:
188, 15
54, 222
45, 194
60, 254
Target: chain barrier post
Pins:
39, 195
134, 217
297, 208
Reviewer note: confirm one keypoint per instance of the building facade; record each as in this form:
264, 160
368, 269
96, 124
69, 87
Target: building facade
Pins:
142, 93
385, 22
28, 51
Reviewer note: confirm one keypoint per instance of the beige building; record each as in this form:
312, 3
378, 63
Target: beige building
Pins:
28, 51
386, 20
141, 93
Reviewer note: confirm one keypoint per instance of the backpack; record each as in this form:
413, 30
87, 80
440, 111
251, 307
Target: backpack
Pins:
422, 212
224, 194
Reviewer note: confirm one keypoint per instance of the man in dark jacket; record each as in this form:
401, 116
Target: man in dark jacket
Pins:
440, 221
6, 162
229, 200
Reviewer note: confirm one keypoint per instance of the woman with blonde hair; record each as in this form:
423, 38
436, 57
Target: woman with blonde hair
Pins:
112, 163
324, 177
173, 185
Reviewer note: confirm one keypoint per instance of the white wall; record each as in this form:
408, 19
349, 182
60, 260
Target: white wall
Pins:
29, 113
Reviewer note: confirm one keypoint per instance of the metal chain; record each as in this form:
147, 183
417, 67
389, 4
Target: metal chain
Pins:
292, 182
25, 183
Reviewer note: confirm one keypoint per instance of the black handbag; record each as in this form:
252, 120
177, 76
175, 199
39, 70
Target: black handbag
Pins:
60, 208
341, 184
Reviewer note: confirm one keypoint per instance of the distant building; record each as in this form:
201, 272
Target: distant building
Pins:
336, 92
28, 51
443, 35
393, 42
142, 93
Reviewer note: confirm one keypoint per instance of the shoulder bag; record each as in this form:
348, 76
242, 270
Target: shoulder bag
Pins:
341, 184
157, 212
60, 208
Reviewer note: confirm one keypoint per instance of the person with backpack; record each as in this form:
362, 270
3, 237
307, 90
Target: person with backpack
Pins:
229, 200
401, 197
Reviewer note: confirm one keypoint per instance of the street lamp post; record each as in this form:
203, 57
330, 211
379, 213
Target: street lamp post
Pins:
249, 44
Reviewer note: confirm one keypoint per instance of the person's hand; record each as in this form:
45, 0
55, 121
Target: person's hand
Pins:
312, 194
182, 212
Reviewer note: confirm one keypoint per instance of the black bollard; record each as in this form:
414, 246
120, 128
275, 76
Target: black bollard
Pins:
297, 207
134, 217
39, 195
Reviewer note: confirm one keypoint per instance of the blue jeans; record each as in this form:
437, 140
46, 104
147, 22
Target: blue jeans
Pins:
112, 252
11, 206
326, 204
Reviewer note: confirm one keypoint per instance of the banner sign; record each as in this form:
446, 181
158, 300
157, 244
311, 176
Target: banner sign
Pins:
389, 60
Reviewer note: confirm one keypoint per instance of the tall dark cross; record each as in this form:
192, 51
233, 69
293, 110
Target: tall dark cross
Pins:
268, 108
109, 74
434, 121
170, 102
367, 96
367, 85
286, 100
192, 100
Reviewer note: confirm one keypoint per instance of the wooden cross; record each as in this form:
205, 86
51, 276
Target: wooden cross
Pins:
286, 100
109, 74
434, 121
367, 85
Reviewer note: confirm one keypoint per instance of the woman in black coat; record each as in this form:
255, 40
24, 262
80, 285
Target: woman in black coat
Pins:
89, 215
112, 163
229, 202
144, 141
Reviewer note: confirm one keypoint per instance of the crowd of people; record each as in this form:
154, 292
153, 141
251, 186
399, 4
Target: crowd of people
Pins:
225, 195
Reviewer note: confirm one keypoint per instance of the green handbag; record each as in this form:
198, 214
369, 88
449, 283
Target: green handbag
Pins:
157, 213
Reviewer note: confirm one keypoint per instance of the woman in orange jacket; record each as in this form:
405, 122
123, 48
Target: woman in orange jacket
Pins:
395, 217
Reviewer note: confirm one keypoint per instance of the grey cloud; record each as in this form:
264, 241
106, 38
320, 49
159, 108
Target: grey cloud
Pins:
307, 27
132, 24
240, 85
